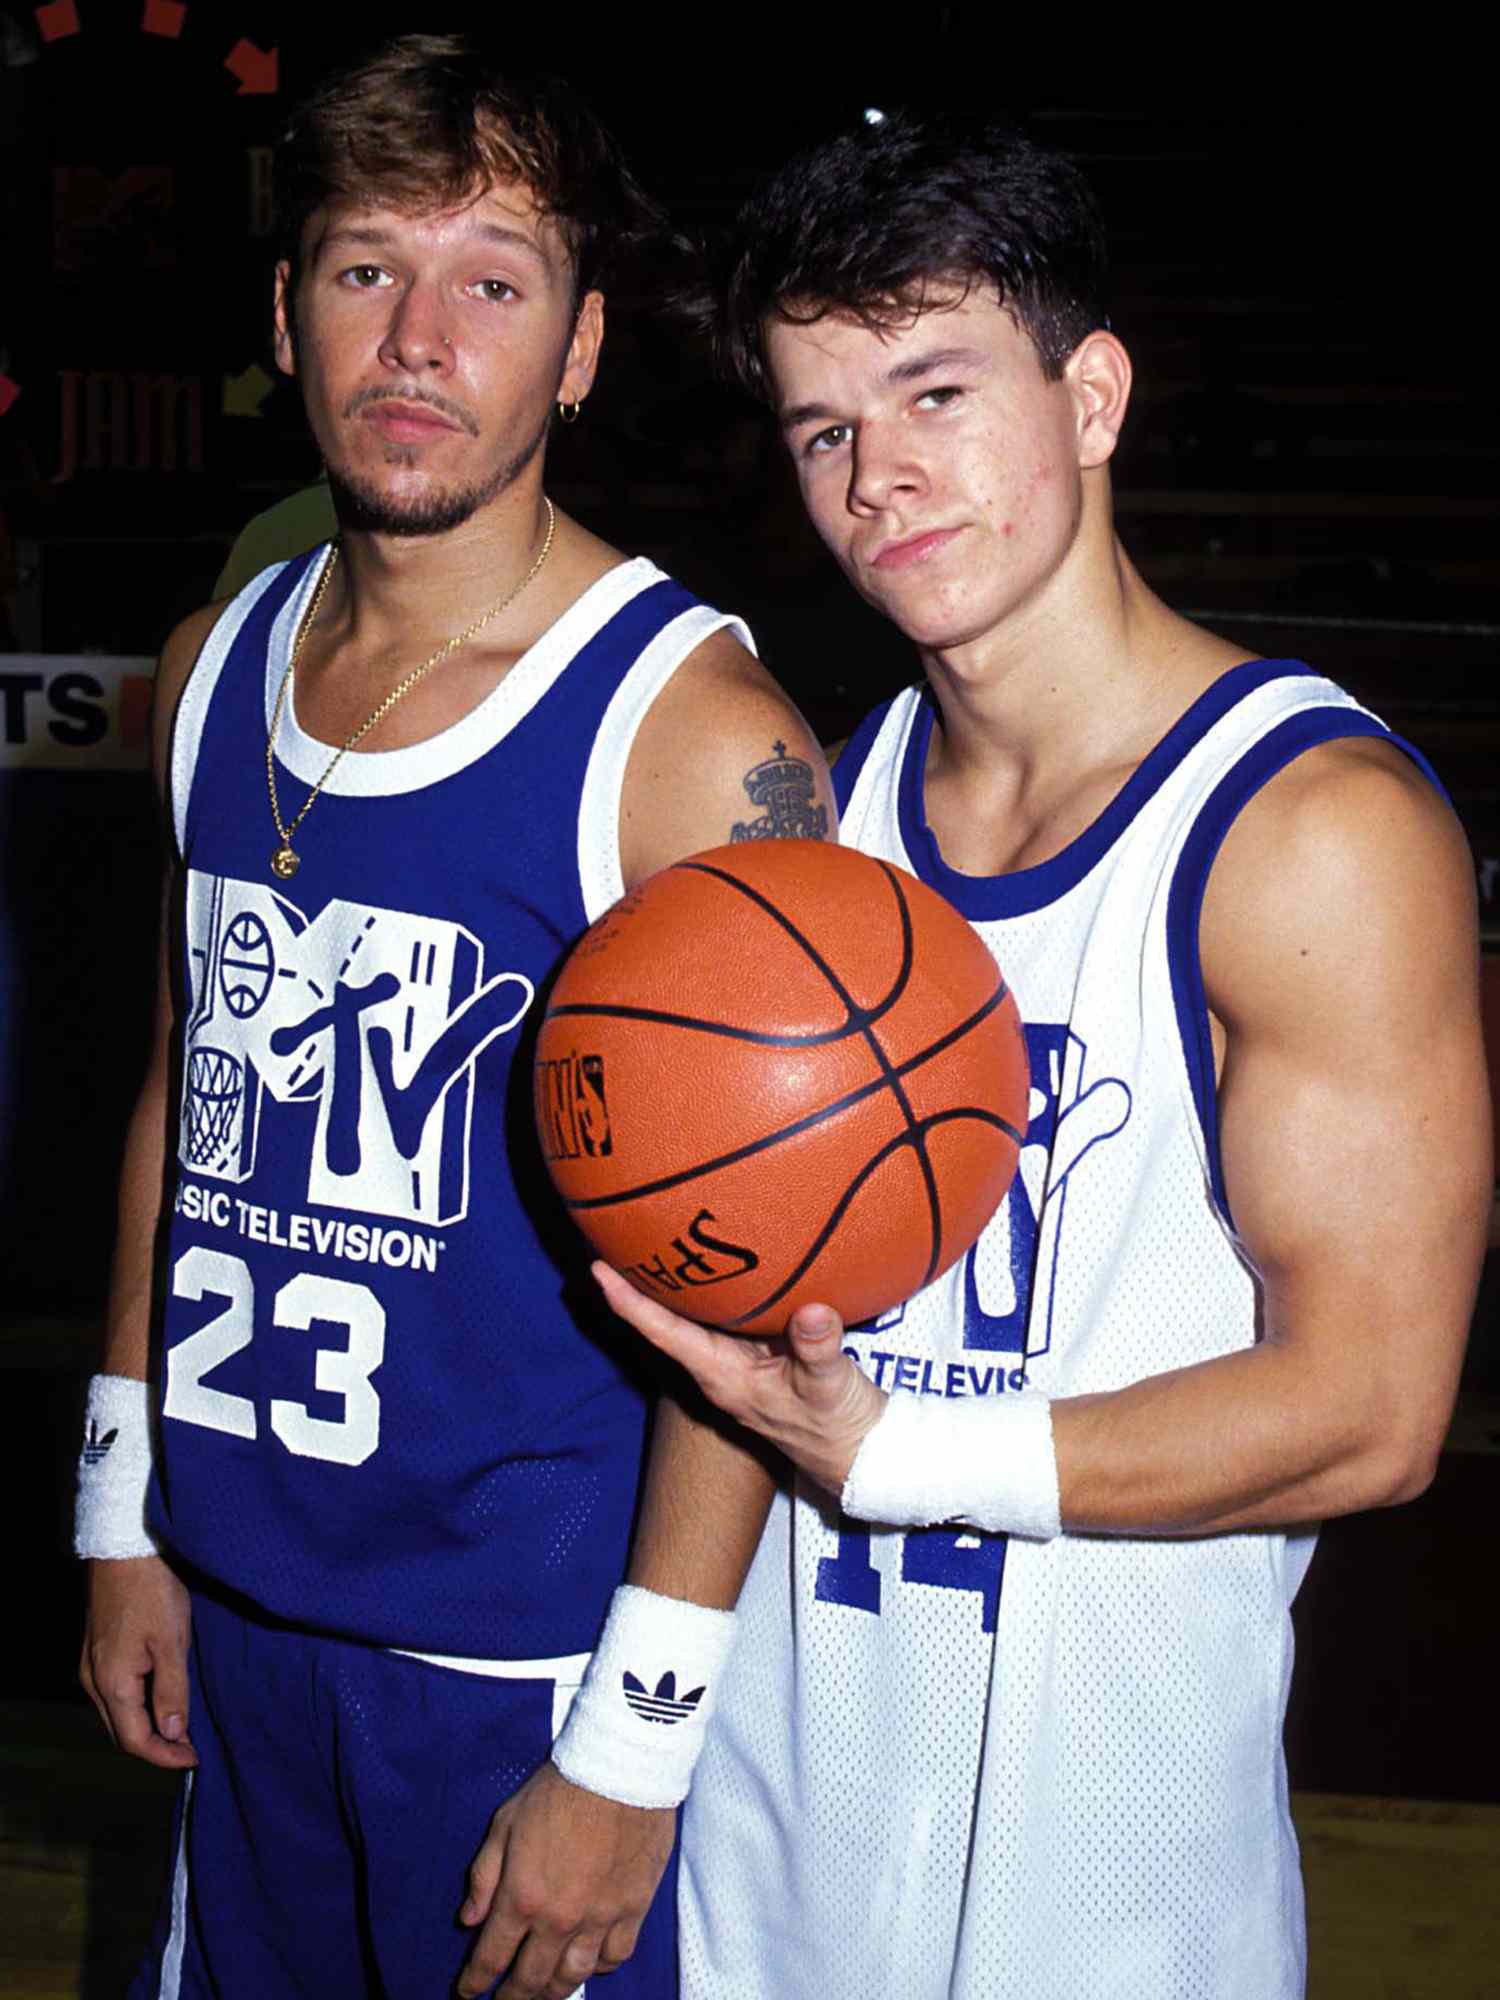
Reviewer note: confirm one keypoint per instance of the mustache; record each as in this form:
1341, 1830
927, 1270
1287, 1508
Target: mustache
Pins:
455, 412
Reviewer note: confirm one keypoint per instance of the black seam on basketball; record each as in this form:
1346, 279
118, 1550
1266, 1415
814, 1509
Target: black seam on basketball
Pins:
857, 1019
701, 1168
955, 1033
610, 1011
865, 1018
916, 1139
860, 1016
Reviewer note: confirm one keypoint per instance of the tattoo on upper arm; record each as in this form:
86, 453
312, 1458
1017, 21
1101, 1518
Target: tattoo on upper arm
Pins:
783, 787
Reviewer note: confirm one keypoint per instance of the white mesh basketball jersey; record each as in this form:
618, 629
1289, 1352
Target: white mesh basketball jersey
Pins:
974, 1768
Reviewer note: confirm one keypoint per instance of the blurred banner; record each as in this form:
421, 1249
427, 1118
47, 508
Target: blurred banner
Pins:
79, 887
81, 712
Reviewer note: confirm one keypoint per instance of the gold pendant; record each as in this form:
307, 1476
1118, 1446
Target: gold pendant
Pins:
284, 863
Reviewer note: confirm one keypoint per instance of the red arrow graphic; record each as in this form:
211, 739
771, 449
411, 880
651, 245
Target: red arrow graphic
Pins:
57, 19
255, 68
8, 393
164, 17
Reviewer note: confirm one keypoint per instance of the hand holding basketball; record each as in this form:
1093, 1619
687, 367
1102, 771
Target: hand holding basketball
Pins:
800, 1392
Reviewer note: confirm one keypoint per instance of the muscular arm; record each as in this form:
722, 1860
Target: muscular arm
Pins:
134, 1660
1338, 944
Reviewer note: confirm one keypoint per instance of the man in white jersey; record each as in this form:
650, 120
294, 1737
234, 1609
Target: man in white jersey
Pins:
1016, 1735
396, 1470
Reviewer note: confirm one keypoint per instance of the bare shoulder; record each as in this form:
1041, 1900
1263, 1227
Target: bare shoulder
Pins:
1339, 944
692, 776
178, 658
1347, 873
717, 682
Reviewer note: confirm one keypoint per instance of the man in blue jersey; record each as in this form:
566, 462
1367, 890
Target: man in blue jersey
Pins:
356, 1501
1017, 1731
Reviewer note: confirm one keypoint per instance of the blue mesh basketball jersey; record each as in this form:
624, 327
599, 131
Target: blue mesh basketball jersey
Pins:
390, 1406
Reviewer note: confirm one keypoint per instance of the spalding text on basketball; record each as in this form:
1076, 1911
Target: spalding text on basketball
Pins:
709, 1261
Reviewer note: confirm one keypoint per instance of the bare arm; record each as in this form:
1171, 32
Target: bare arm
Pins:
1339, 950
127, 1332
565, 1876
134, 1660
127, 1337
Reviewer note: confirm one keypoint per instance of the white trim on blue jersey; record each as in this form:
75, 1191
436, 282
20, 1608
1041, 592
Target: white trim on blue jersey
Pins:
599, 811
385, 773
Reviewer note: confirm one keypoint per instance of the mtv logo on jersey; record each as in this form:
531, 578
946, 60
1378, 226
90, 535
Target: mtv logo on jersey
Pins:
376, 1016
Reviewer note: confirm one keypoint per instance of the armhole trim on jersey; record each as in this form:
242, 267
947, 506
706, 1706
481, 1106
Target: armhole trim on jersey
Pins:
1278, 748
625, 589
600, 879
198, 692
1019, 892
865, 790
856, 750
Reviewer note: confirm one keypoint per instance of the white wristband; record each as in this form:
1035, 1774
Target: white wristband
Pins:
114, 1470
989, 1463
638, 1720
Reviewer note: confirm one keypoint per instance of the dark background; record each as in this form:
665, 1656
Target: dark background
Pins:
1302, 287
1310, 466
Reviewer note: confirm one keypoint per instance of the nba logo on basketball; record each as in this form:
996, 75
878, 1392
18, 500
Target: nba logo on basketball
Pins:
375, 1018
572, 1117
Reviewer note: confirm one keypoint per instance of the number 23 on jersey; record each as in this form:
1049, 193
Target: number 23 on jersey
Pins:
303, 1301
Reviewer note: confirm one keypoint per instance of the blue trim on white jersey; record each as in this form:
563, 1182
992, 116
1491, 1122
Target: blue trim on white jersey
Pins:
851, 759
1016, 894
1261, 763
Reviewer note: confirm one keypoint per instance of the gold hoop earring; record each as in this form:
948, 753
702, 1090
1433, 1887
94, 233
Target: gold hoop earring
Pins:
567, 413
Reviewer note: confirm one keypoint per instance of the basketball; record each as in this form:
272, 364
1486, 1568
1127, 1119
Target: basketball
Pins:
779, 1072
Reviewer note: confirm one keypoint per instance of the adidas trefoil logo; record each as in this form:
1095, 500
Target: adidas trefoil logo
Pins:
665, 1705
96, 1448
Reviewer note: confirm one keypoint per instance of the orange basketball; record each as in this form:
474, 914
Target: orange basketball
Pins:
778, 1072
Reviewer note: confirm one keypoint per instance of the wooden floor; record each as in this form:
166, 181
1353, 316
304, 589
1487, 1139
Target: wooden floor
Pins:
1403, 1897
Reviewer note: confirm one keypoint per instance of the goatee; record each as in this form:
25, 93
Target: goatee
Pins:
362, 507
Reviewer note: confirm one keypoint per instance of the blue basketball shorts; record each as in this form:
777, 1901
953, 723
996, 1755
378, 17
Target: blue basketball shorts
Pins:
324, 1840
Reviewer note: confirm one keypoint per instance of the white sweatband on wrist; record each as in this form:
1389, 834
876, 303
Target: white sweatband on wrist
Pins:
114, 1470
638, 1721
987, 1463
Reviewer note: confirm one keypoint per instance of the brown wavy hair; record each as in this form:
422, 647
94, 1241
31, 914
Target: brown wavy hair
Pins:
427, 122
890, 220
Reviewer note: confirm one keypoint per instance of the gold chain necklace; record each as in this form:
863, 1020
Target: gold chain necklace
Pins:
284, 863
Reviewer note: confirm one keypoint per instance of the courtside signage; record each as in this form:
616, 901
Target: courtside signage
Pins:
73, 712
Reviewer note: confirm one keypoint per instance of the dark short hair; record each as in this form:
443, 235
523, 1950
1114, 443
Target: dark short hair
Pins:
890, 218
426, 122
